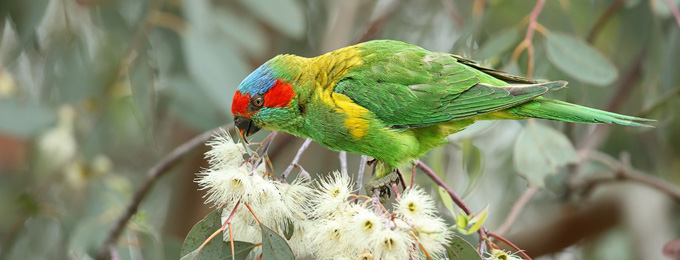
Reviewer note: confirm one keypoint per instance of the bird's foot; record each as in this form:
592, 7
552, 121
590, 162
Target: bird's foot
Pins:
383, 185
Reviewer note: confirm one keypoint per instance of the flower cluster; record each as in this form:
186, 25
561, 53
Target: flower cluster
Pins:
351, 227
327, 220
231, 181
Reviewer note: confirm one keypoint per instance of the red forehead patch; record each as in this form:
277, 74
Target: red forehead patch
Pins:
240, 103
279, 95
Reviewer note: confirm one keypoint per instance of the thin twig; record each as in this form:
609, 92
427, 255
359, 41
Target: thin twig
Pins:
625, 172
507, 242
155, 173
527, 42
296, 159
375, 199
461, 204
342, 155
413, 176
516, 209
674, 10
426, 169
268, 142
360, 174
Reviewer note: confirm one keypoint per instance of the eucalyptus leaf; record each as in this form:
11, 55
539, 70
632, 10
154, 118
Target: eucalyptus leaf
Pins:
24, 119
188, 102
241, 250
539, 151
472, 159
579, 59
446, 200
142, 84
459, 249
274, 246
498, 43
199, 233
26, 16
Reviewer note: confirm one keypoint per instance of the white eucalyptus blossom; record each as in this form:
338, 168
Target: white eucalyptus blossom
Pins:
394, 244
332, 195
497, 254
328, 222
415, 205
224, 152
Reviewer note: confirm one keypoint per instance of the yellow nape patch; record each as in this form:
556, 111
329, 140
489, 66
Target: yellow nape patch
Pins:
356, 122
328, 68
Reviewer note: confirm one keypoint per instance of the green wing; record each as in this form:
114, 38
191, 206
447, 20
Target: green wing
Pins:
407, 86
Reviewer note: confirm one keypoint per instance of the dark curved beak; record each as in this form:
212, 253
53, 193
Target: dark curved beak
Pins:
245, 125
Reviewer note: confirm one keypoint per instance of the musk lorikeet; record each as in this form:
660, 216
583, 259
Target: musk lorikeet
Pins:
392, 101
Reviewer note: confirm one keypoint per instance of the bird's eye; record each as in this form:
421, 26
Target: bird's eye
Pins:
258, 102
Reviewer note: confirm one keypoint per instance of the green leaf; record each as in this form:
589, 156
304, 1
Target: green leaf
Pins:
579, 59
274, 246
241, 250
143, 93
539, 151
292, 24
446, 200
190, 256
24, 119
498, 43
473, 163
26, 16
199, 233
461, 250
477, 220
188, 102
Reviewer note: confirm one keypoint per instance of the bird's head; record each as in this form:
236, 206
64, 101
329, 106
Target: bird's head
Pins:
264, 100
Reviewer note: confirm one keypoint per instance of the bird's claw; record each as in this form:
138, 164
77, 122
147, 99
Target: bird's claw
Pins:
382, 185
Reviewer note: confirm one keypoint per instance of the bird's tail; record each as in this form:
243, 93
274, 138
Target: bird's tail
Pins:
562, 111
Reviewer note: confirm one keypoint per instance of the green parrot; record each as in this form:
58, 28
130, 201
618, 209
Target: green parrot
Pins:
392, 101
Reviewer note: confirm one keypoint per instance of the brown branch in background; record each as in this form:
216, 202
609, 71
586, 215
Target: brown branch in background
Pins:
674, 10
624, 172
155, 173
516, 209
603, 20
573, 224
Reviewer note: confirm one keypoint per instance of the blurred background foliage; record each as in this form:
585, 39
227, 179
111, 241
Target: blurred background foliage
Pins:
95, 92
